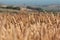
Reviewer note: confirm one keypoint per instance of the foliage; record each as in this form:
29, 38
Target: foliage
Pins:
38, 9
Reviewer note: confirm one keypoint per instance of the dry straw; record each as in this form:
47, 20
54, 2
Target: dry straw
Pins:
36, 26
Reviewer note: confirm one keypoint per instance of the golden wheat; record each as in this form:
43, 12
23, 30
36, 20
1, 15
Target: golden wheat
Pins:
34, 26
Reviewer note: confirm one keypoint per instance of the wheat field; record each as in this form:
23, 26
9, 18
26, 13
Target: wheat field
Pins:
30, 26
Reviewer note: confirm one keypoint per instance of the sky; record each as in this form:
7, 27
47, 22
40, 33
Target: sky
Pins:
31, 2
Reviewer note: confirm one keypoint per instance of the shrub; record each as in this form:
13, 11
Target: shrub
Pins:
38, 9
14, 8
10, 7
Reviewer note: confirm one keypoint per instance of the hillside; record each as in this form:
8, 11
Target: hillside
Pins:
52, 8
